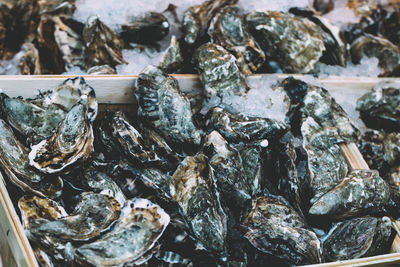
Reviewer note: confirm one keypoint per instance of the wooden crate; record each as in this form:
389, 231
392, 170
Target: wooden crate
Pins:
118, 90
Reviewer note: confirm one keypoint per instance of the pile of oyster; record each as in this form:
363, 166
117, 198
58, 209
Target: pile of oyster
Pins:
44, 37
181, 183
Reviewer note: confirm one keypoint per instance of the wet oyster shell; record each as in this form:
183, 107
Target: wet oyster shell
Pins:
71, 142
14, 162
192, 186
172, 61
29, 63
293, 44
102, 44
273, 227
362, 192
101, 70
148, 28
196, 19
219, 71
163, 107
380, 108
237, 128
228, 30
141, 221
358, 237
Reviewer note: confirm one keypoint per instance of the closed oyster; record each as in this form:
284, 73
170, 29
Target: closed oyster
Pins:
387, 53
71, 142
380, 108
192, 186
147, 28
102, 44
273, 227
361, 192
163, 107
29, 63
290, 44
14, 162
358, 237
236, 128
218, 70
227, 29
31, 121
196, 19
141, 221
172, 60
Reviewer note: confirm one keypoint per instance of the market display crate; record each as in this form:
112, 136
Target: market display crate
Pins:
117, 91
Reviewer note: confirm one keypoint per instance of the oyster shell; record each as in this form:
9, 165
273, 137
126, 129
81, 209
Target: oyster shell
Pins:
192, 186
141, 221
172, 61
218, 70
57, 7
361, 192
358, 237
71, 142
196, 19
148, 28
163, 107
237, 128
380, 109
15, 163
100, 70
293, 44
227, 29
29, 63
273, 227
102, 44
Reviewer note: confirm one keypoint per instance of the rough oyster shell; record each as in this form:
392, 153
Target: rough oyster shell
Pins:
192, 186
358, 237
163, 107
100, 70
141, 221
227, 29
57, 7
15, 163
361, 192
274, 227
293, 44
172, 61
29, 63
71, 142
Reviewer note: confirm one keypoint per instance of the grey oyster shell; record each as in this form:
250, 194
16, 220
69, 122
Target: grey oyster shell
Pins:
147, 28
32, 121
103, 46
219, 71
380, 108
141, 221
14, 162
228, 29
29, 63
172, 60
196, 19
101, 70
275, 228
193, 187
358, 237
294, 44
361, 192
163, 107
70, 143
237, 128
387, 53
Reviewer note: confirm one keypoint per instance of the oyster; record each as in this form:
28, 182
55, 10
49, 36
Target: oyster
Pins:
71, 142
141, 221
147, 28
227, 29
358, 237
290, 44
219, 72
172, 61
387, 53
29, 63
192, 186
361, 192
196, 19
100, 70
57, 7
380, 109
15, 163
102, 44
237, 128
273, 227
163, 107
